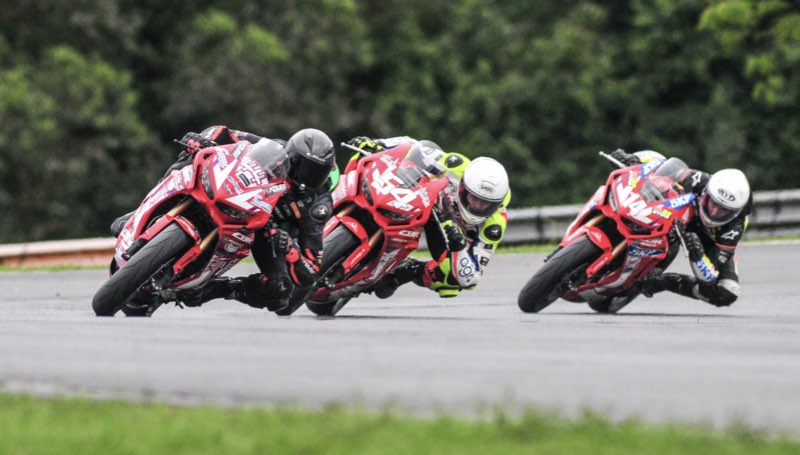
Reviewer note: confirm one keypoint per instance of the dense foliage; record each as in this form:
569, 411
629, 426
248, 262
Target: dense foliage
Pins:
92, 92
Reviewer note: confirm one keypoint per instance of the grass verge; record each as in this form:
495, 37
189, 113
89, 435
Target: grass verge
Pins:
67, 425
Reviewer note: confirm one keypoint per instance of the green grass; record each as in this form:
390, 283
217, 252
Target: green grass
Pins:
49, 426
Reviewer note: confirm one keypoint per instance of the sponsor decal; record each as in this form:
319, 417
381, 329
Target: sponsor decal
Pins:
387, 183
231, 246
649, 166
237, 152
637, 207
257, 201
222, 157
426, 201
696, 178
242, 238
279, 188
706, 268
465, 268
487, 187
244, 200
652, 243
726, 194
409, 233
484, 261
637, 252
730, 235
680, 201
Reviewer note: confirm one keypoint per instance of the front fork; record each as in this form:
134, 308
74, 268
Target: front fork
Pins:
599, 238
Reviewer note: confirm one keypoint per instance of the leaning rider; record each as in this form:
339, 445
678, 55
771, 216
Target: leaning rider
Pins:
470, 220
722, 206
288, 257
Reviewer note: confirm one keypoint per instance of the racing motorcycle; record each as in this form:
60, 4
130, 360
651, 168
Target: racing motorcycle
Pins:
619, 236
195, 225
381, 205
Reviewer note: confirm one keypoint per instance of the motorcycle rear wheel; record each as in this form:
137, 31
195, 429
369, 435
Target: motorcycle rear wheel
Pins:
146, 263
546, 285
340, 243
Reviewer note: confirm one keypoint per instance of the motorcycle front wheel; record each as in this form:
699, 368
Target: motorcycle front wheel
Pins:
145, 264
338, 245
548, 283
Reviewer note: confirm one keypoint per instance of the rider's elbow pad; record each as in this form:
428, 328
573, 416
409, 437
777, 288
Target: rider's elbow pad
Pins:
464, 268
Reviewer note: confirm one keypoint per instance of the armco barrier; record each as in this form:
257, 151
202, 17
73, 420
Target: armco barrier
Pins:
775, 214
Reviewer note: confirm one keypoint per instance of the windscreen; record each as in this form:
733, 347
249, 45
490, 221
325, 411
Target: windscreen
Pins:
658, 184
271, 156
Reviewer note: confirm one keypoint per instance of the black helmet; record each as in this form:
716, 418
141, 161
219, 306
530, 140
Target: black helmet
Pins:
311, 158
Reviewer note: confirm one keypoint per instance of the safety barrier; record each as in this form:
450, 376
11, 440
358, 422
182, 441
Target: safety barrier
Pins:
775, 214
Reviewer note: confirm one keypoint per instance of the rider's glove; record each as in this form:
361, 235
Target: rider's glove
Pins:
694, 246
365, 143
280, 240
625, 158
195, 142
455, 239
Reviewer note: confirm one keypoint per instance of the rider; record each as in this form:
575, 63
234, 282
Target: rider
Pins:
723, 203
468, 223
289, 255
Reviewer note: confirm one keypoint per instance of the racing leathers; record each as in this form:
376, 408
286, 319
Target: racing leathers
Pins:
712, 251
288, 251
460, 251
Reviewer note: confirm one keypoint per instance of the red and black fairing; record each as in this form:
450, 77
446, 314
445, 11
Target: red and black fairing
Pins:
384, 200
630, 220
220, 200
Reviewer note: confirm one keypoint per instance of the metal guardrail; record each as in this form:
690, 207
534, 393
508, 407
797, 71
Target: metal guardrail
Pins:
775, 214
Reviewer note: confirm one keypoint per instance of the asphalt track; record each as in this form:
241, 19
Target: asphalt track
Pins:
665, 359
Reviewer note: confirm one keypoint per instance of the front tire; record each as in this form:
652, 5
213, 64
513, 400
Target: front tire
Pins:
146, 263
547, 284
338, 245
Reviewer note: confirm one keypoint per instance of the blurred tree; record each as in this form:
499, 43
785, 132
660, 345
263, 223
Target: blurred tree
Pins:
70, 140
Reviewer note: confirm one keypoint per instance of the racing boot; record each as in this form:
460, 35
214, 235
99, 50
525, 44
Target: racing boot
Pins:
219, 288
673, 282
409, 270
119, 223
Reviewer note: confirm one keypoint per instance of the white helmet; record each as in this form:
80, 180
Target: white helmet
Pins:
649, 155
482, 189
724, 198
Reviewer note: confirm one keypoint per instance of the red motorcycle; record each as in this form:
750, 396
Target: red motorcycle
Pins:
195, 225
618, 237
381, 205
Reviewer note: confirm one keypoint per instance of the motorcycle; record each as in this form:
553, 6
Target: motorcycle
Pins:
620, 235
196, 224
381, 205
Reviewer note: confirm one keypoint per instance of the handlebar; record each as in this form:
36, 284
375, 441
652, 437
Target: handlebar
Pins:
355, 149
613, 160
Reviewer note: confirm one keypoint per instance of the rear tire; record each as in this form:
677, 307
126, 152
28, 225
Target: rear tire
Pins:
151, 259
338, 245
545, 286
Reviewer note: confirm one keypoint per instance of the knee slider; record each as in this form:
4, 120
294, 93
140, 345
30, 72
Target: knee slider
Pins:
725, 293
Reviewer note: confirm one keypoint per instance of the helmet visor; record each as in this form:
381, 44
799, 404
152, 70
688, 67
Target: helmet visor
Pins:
308, 172
476, 205
715, 212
